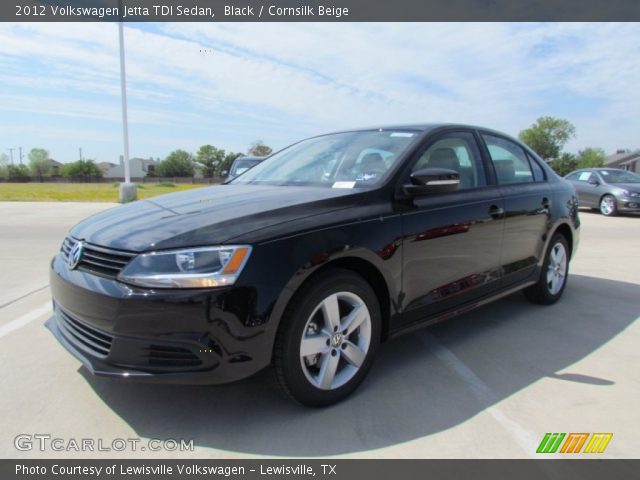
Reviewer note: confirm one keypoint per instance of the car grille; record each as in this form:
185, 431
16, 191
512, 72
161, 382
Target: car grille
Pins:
83, 336
162, 356
101, 261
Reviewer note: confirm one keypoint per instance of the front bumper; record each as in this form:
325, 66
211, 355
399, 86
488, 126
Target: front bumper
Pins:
629, 204
172, 336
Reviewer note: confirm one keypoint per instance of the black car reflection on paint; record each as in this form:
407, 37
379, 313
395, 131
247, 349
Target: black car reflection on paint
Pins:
312, 258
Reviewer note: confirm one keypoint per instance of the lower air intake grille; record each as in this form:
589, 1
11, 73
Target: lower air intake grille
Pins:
83, 336
162, 356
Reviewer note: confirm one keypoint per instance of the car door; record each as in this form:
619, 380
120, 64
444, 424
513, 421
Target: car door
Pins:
593, 187
578, 186
527, 201
451, 240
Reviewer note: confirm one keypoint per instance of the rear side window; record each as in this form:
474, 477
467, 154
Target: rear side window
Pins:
509, 161
538, 173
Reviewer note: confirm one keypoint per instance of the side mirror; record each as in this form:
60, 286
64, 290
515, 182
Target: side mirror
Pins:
594, 182
224, 173
432, 180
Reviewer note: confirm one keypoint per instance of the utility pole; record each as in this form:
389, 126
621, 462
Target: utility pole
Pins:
11, 152
80, 150
20, 154
127, 189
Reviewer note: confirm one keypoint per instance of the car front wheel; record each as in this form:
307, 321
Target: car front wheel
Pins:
328, 338
608, 206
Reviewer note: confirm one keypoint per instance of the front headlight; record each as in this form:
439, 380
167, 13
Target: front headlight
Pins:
189, 268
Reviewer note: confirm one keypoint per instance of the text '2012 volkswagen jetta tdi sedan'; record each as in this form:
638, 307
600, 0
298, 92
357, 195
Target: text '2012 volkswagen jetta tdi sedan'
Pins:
312, 258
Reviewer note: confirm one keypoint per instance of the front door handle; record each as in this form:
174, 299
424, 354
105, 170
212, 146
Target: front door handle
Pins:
545, 206
496, 211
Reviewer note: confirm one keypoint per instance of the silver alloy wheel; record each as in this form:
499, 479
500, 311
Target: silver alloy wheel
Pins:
557, 269
335, 340
607, 205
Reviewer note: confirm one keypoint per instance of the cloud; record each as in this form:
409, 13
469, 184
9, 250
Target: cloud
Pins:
280, 82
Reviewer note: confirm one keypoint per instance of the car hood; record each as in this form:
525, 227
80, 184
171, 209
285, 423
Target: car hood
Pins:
632, 187
207, 216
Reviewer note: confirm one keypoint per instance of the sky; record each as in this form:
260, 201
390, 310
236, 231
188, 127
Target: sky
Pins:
230, 84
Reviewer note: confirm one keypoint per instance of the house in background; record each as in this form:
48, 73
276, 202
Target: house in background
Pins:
139, 167
625, 160
55, 167
105, 166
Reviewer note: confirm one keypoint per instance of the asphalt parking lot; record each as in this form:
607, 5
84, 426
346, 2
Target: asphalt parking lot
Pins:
488, 384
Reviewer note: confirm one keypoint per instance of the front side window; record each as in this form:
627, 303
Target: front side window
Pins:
340, 160
509, 160
455, 151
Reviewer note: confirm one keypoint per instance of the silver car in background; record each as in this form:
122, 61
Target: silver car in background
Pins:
241, 165
610, 190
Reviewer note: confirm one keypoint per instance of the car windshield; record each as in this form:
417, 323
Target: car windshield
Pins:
243, 164
340, 160
619, 176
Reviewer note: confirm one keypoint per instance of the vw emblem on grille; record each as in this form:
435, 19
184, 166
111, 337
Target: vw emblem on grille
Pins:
75, 255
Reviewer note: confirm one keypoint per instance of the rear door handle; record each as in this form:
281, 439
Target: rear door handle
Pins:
496, 212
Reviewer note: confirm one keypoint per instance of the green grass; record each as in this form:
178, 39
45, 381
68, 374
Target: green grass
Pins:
82, 192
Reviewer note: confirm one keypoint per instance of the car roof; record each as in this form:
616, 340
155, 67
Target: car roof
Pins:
597, 169
423, 127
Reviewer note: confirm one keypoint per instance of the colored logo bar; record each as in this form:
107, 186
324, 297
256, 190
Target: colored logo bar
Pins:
573, 442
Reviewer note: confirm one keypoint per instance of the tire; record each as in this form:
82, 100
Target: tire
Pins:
311, 320
608, 206
555, 271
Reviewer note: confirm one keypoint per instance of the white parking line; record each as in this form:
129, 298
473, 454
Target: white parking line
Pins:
482, 392
25, 319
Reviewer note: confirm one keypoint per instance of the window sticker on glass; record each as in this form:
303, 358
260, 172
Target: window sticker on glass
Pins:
343, 185
402, 134
584, 176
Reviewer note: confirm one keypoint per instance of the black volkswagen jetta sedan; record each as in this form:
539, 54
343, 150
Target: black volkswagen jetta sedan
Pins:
312, 258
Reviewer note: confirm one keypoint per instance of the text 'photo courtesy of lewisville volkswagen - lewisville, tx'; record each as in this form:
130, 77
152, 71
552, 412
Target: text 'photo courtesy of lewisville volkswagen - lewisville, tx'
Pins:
306, 240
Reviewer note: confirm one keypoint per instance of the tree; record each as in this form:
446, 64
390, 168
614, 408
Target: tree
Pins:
566, 163
177, 164
548, 136
18, 172
84, 169
209, 157
4, 165
591, 158
39, 162
259, 149
225, 165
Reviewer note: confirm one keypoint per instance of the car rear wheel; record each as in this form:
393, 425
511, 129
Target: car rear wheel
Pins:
328, 338
608, 206
553, 278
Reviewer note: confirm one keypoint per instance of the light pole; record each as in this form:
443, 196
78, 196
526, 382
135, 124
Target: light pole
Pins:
128, 191
11, 153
